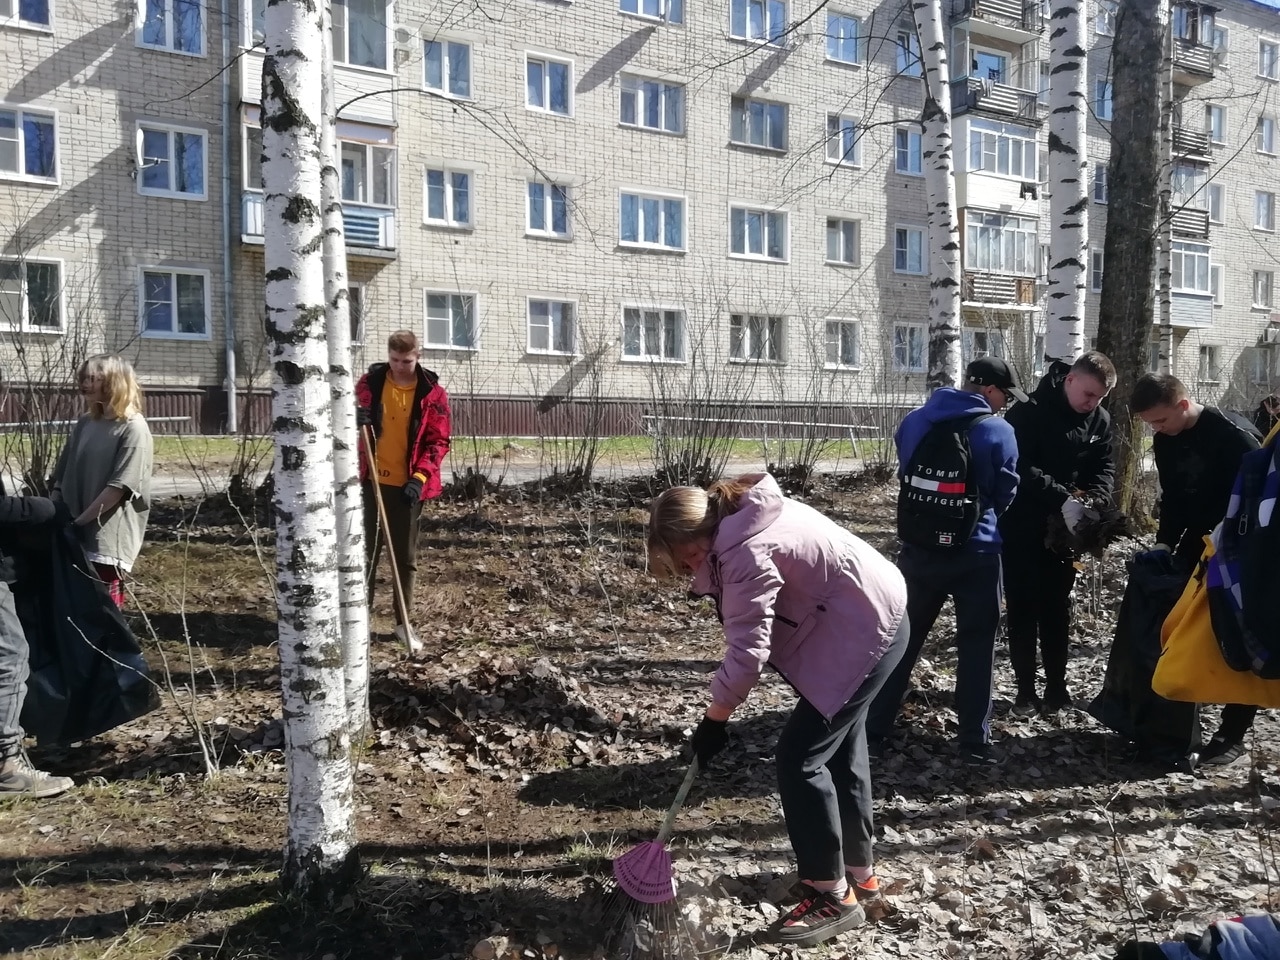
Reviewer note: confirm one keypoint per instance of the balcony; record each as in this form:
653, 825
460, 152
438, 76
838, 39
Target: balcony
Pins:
997, 289
1191, 144
370, 231
1191, 311
360, 87
1010, 20
1191, 223
1193, 63
971, 95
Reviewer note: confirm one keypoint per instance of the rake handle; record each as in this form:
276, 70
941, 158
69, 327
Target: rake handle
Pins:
397, 591
664, 832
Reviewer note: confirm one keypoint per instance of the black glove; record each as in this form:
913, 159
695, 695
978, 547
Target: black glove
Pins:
62, 516
364, 416
709, 738
412, 491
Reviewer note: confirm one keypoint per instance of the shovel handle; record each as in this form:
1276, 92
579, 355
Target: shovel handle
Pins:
664, 832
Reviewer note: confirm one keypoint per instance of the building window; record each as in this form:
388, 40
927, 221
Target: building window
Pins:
1095, 270
763, 20
842, 242
548, 210
1216, 196
1001, 243
760, 234
1215, 120
447, 68
30, 296
360, 33
448, 202
995, 149
651, 104
1190, 267
367, 173
1104, 23
668, 11
30, 13
1264, 210
652, 221
1266, 135
551, 327
355, 312
1102, 99
910, 347
173, 162
176, 25
1210, 363
908, 250
1264, 285
755, 337
844, 136
1099, 183
908, 155
652, 334
175, 303
842, 37
450, 321
1216, 279
547, 85
1188, 183
843, 348
1269, 59
907, 59
1259, 366
1220, 40
758, 123
976, 344
28, 145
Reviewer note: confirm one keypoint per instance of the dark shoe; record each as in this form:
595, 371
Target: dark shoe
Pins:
978, 755
820, 916
876, 746
18, 778
1027, 704
1219, 753
1057, 698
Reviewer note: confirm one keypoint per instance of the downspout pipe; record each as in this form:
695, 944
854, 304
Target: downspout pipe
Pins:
228, 305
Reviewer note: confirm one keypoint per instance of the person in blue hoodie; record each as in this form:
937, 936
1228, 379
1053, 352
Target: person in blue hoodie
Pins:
969, 575
1255, 937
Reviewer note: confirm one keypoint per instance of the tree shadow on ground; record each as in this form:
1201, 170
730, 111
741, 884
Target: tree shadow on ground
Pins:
209, 628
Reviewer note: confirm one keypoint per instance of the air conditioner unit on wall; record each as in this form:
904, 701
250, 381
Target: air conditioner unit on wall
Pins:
1271, 334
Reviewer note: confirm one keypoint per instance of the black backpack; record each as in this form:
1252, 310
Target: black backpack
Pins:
938, 502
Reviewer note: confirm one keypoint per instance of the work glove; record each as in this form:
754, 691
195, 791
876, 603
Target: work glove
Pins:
709, 738
62, 516
412, 491
364, 416
1072, 513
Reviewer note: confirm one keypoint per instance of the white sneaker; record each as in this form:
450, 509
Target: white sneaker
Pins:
18, 778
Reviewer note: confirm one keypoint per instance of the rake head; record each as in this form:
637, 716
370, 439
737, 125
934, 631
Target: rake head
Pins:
644, 873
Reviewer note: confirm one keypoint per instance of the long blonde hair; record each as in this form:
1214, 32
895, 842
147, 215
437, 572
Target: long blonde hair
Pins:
123, 392
681, 515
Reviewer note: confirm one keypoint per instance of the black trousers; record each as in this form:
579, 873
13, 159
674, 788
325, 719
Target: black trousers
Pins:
824, 777
402, 536
1037, 598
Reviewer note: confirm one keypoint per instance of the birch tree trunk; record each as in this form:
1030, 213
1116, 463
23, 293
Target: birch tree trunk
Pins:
1164, 220
353, 612
940, 186
1124, 322
1067, 175
319, 855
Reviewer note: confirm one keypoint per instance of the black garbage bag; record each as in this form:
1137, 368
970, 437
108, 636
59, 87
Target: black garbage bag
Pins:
1163, 730
88, 674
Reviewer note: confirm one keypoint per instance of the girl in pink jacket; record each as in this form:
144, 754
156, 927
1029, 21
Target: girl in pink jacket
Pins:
798, 592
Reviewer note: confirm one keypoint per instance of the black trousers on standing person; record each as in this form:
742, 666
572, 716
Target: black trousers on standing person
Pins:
1037, 598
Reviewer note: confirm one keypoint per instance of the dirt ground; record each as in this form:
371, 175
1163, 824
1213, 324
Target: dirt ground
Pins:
540, 738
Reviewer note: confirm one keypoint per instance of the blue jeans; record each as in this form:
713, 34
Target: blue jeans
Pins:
14, 670
972, 580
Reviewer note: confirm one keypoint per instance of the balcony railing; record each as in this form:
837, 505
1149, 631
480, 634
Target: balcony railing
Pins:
988, 96
1190, 144
1191, 222
1011, 14
364, 226
1194, 62
980, 287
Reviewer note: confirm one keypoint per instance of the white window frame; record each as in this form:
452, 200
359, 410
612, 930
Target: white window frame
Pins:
1260, 363
1264, 211
903, 232
1182, 252
23, 322
548, 231
357, 311
1103, 98
1104, 20
847, 257
173, 273
992, 146
171, 129
842, 127
342, 36
19, 112
993, 342
771, 34
769, 226
1216, 201
837, 40
754, 122
373, 150
1096, 269
1209, 367
771, 335
450, 188
169, 28
1266, 139
470, 299
1216, 136
835, 328
551, 302
907, 60
661, 313
1264, 289
1220, 33
921, 332
640, 90
1217, 283
662, 200
1269, 58
1015, 235
546, 60
1101, 188
447, 55
667, 11
909, 143
17, 20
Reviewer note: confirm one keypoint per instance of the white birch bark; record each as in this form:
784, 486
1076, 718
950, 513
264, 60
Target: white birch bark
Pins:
1164, 221
320, 855
1068, 178
940, 187
353, 611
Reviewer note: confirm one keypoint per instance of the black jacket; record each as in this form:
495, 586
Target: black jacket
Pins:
1059, 451
19, 518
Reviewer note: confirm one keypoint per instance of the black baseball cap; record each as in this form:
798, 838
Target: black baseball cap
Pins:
994, 372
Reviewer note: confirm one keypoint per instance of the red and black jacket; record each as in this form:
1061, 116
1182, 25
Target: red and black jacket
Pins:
428, 428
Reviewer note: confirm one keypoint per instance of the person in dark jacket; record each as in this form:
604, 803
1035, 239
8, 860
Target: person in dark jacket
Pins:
970, 575
1268, 412
1197, 450
18, 778
408, 412
1064, 462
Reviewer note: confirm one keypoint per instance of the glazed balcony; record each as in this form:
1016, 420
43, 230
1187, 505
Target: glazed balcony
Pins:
1010, 20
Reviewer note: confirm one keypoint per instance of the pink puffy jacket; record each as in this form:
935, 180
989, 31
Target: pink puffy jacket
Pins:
798, 591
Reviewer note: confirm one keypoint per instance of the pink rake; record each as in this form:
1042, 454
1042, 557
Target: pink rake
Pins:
644, 873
